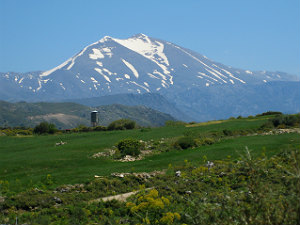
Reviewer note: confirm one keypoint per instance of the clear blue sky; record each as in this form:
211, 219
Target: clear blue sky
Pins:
247, 34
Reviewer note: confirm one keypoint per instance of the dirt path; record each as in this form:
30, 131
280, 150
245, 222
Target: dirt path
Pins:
120, 197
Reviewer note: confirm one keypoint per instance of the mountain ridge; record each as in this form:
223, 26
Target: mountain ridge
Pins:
140, 65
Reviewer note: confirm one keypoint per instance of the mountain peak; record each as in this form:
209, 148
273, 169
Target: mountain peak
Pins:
105, 38
134, 37
139, 35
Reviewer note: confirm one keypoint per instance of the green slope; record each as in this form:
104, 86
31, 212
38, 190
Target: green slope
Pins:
30, 159
69, 115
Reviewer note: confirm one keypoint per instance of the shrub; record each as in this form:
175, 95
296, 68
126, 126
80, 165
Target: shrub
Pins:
266, 126
185, 142
122, 124
290, 120
207, 141
191, 133
45, 128
25, 132
269, 113
281, 126
277, 121
83, 128
145, 129
129, 147
100, 128
227, 132
172, 123
286, 120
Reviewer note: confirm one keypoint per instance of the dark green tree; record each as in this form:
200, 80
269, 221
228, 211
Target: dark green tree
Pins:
45, 128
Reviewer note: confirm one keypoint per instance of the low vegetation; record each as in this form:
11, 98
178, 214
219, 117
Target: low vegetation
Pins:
251, 190
50, 128
15, 131
122, 124
236, 171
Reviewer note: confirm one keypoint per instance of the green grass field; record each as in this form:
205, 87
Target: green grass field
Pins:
27, 160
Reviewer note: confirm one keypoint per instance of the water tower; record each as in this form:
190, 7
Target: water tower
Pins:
94, 118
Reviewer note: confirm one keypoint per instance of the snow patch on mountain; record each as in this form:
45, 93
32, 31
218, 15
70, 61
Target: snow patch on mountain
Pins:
208, 68
216, 75
108, 51
72, 60
40, 85
160, 74
20, 81
101, 73
107, 71
94, 80
203, 74
62, 86
96, 54
152, 76
153, 50
99, 63
48, 72
131, 67
80, 54
45, 81
145, 47
230, 74
139, 85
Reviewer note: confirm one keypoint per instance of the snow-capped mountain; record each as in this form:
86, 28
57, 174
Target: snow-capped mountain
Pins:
142, 64
139, 64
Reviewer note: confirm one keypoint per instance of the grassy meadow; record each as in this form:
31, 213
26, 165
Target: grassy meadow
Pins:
26, 160
42, 184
